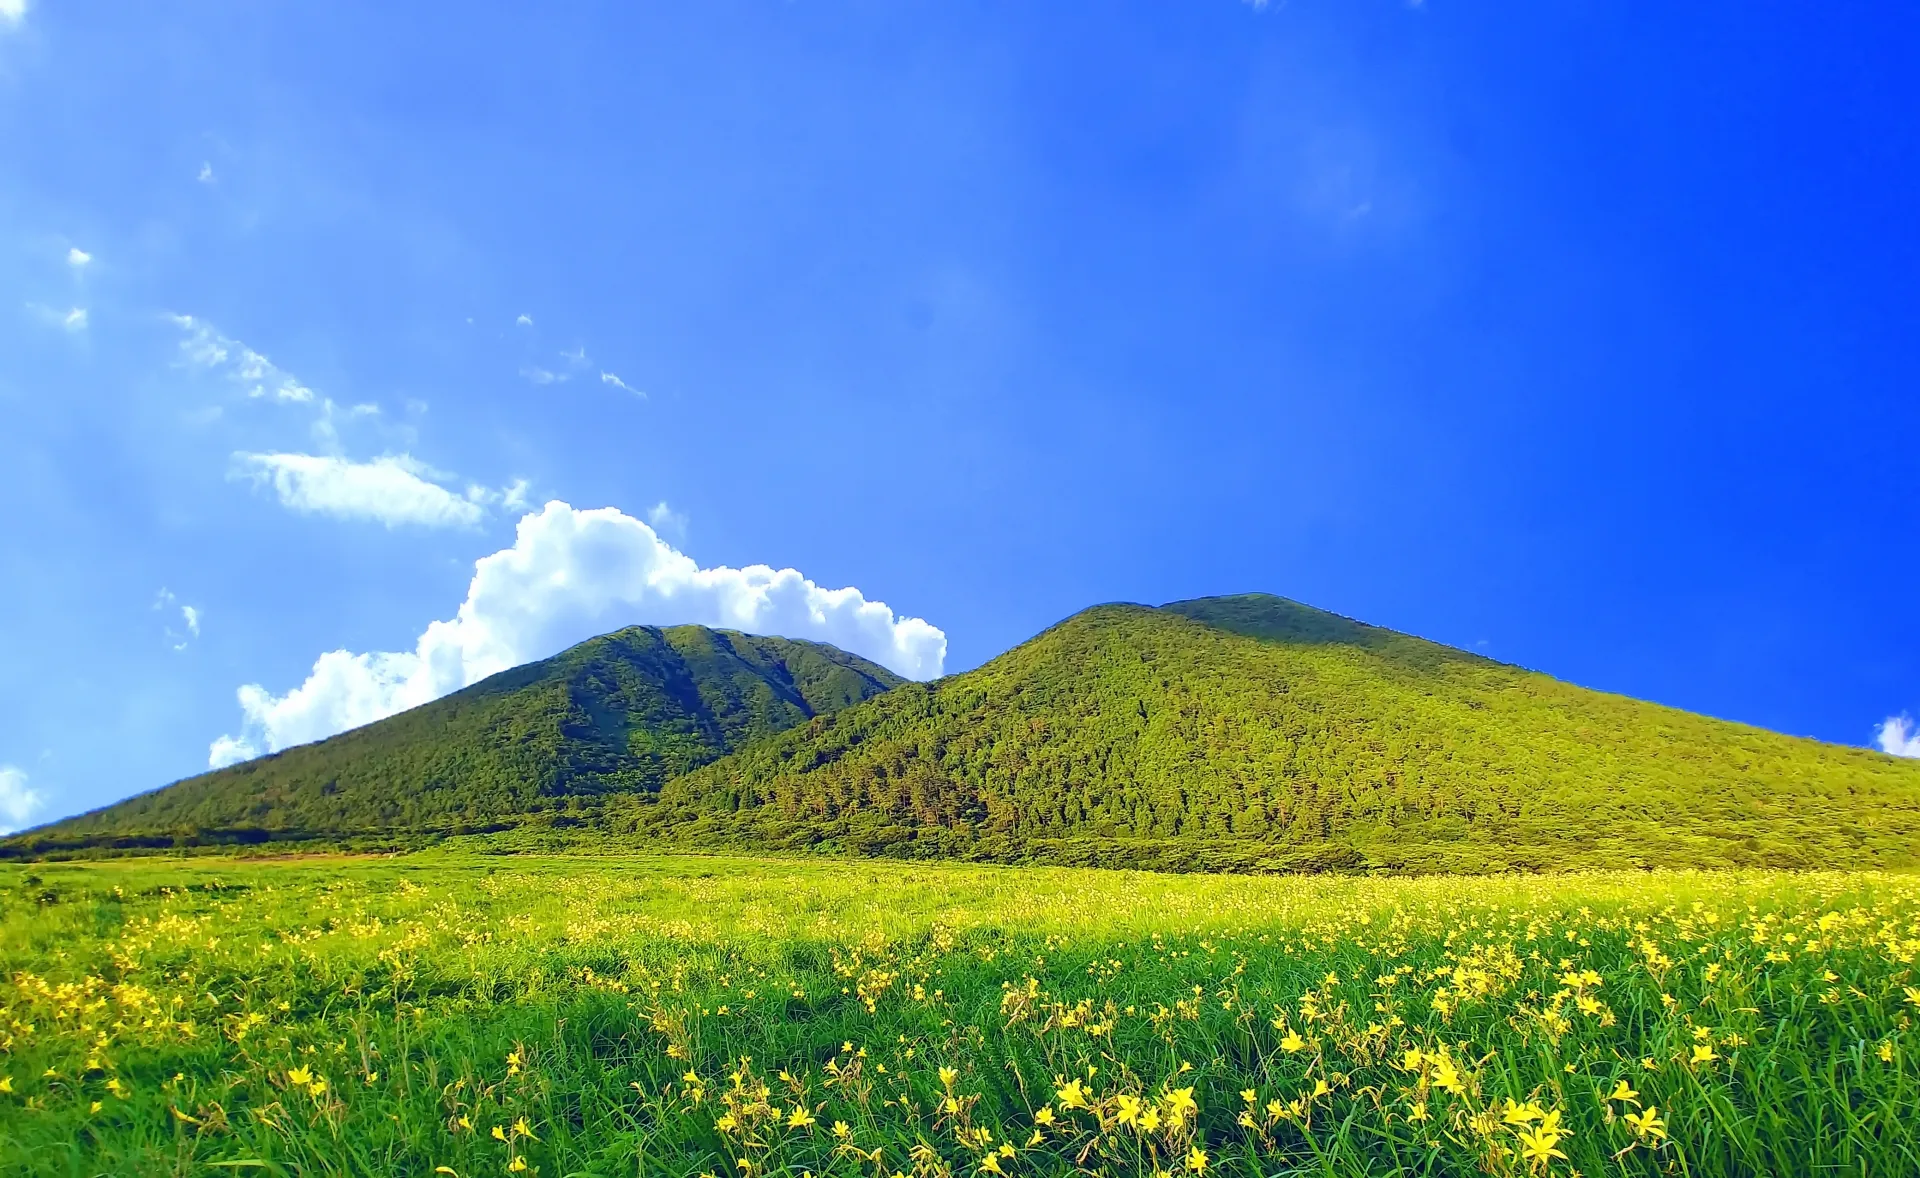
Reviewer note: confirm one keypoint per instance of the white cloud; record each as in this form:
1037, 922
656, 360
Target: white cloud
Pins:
568, 576
616, 382
666, 519
541, 376
165, 600
75, 320
191, 615
206, 174
1899, 735
203, 347
523, 321
12, 12
76, 257
393, 489
229, 750
18, 804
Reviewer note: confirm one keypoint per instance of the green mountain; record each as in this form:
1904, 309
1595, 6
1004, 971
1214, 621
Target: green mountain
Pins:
1255, 732
623, 712
1224, 733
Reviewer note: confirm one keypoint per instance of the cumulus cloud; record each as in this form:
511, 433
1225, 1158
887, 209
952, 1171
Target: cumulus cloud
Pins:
1898, 735
393, 489
203, 347
523, 321
12, 12
76, 257
569, 575
666, 519
18, 803
191, 615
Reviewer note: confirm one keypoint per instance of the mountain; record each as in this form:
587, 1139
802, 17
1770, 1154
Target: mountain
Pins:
622, 712
1255, 732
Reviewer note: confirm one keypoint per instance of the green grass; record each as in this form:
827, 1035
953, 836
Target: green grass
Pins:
638, 1014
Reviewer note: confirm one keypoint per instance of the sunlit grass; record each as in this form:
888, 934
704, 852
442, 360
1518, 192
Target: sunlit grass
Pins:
688, 1015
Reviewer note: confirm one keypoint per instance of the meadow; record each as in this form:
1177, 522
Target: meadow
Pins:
450, 1013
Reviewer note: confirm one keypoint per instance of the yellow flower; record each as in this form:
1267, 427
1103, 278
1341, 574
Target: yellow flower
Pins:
522, 1129
1886, 1051
1044, 1116
1072, 1095
517, 1164
990, 1165
1180, 1103
948, 1076
1704, 1053
1647, 1124
1418, 1112
1247, 1095
1540, 1146
1522, 1114
1293, 1042
1126, 1109
300, 1076
499, 1134
1622, 1091
800, 1118
1197, 1160
841, 1131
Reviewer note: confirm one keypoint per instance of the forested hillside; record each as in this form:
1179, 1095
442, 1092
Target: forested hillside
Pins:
622, 712
1254, 731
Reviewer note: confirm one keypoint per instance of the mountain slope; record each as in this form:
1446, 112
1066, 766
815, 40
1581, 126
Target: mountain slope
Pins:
1254, 731
625, 711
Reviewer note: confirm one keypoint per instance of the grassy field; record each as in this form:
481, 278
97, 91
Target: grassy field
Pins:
691, 1015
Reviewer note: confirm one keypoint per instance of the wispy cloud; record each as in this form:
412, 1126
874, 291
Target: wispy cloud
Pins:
167, 603
206, 173
616, 382
204, 347
12, 12
540, 375
1898, 735
394, 489
75, 320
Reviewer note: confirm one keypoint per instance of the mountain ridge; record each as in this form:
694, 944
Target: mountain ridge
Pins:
1246, 732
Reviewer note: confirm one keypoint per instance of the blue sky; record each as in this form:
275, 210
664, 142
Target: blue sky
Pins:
1579, 335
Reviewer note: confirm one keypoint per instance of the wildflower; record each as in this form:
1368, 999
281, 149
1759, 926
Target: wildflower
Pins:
6, 1083
1247, 1095
1540, 1146
1647, 1124
1623, 1091
1522, 1114
1197, 1160
1886, 1051
948, 1076
499, 1134
522, 1129
800, 1118
1180, 1104
1293, 1042
517, 1164
1703, 1053
841, 1130
1044, 1116
1126, 1109
1072, 1095
1418, 1111
991, 1165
